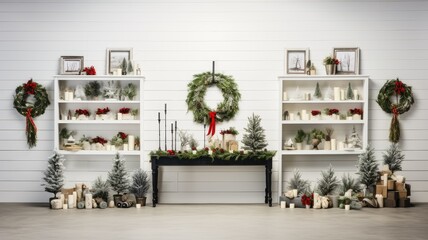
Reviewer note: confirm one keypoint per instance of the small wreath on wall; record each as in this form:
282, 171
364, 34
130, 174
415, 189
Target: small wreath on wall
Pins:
225, 110
403, 102
31, 100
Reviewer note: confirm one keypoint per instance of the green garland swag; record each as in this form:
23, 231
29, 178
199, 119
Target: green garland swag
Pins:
403, 102
225, 111
216, 154
31, 109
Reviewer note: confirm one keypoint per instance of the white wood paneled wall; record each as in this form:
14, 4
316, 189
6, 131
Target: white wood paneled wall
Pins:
172, 40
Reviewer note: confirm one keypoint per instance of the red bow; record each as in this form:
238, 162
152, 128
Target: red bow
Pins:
395, 110
211, 130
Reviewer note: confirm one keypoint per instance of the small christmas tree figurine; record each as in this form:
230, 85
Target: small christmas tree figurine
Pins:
124, 65
100, 189
393, 158
349, 182
328, 183
367, 168
54, 174
118, 176
130, 67
255, 137
296, 182
349, 92
317, 92
140, 185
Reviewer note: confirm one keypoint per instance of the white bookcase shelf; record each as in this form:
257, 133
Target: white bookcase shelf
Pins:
94, 127
296, 99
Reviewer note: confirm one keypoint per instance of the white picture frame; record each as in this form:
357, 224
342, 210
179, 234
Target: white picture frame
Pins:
71, 65
115, 57
295, 60
349, 60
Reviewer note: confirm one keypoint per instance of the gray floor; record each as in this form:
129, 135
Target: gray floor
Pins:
219, 222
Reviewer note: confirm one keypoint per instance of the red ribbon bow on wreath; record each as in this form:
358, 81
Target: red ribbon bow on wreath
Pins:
211, 130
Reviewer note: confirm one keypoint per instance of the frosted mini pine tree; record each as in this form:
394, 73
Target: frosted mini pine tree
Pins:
255, 137
367, 167
118, 176
328, 183
317, 93
393, 158
296, 182
349, 182
349, 92
100, 189
54, 174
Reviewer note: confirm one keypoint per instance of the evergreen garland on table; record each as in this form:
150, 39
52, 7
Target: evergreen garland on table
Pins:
367, 167
393, 158
118, 176
54, 174
296, 182
140, 183
317, 92
349, 92
255, 138
348, 182
328, 183
100, 189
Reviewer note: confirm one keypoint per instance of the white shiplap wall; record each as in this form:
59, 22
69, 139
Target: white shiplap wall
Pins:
172, 40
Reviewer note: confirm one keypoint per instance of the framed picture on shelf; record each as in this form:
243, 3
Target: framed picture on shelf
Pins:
295, 61
71, 65
116, 57
349, 60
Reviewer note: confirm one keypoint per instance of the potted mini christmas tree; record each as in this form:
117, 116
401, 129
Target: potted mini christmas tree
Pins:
140, 186
393, 158
255, 138
54, 175
367, 169
328, 183
118, 178
100, 191
299, 139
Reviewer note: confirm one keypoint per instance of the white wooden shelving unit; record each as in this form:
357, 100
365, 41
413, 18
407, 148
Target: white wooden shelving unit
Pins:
93, 128
295, 87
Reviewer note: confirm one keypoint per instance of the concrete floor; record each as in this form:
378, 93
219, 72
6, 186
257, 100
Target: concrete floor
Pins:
219, 222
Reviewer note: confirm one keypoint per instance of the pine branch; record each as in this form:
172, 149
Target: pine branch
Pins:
328, 183
393, 158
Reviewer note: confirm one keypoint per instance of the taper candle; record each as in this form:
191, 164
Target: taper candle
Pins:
166, 148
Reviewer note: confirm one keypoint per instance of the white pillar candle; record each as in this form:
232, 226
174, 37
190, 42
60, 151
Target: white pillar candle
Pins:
64, 206
138, 205
210, 152
349, 118
385, 179
88, 201
284, 96
282, 204
336, 94
70, 200
70, 96
355, 94
333, 144
295, 192
73, 118
379, 199
66, 95
125, 147
108, 147
119, 116
119, 72
75, 199
347, 207
193, 151
291, 205
62, 198
340, 146
131, 142
291, 115
342, 94
112, 148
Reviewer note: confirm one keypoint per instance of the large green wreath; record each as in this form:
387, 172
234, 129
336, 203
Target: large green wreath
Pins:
225, 110
31, 109
403, 102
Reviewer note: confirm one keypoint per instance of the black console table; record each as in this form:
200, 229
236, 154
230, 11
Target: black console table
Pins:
207, 161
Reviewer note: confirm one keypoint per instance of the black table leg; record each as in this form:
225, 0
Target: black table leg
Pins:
155, 170
269, 181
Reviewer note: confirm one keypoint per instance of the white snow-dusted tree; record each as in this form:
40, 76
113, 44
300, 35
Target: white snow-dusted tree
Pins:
100, 189
140, 183
349, 92
348, 182
367, 168
255, 138
296, 182
54, 174
393, 158
328, 183
118, 176
317, 93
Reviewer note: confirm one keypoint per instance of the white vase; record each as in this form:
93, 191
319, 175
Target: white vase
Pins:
347, 207
327, 145
299, 146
